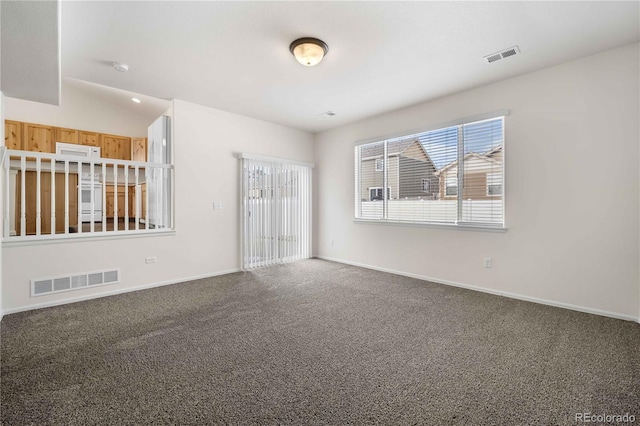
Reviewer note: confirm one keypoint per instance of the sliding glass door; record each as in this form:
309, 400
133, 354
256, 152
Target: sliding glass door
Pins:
276, 211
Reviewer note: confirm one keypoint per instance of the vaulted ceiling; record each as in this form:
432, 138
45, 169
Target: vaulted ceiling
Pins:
382, 55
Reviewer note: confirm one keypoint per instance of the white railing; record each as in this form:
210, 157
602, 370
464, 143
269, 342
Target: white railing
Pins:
56, 196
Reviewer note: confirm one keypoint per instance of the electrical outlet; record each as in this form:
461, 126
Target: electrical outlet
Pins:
488, 262
217, 206
331, 242
150, 259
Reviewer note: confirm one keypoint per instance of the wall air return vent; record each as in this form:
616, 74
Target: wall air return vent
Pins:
503, 54
42, 286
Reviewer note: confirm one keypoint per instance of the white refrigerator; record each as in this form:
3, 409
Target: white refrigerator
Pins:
158, 179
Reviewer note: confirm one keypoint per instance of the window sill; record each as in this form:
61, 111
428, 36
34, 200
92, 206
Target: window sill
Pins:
84, 237
452, 226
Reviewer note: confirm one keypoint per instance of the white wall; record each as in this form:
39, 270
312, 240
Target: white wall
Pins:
2, 196
572, 190
78, 110
206, 240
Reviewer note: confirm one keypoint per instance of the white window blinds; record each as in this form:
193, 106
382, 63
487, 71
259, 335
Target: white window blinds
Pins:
276, 211
452, 175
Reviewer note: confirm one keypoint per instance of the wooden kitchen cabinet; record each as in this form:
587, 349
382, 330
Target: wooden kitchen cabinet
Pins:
89, 138
13, 134
45, 202
38, 138
132, 202
66, 135
111, 197
116, 147
139, 149
42, 138
143, 198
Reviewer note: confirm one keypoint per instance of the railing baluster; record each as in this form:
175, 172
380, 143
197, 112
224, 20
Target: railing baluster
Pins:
146, 196
23, 196
126, 197
79, 171
104, 197
115, 197
7, 191
92, 192
137, 197
38, 200
66, 196
53, 197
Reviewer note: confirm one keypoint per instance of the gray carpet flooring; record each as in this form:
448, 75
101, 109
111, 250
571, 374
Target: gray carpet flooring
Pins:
314, 342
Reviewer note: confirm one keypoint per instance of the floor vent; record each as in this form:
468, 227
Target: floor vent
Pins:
501, 55
42, 286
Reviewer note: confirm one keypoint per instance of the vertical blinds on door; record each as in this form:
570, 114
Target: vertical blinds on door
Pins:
276, 211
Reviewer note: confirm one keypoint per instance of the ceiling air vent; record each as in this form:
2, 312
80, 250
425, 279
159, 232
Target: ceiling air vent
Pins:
501, 55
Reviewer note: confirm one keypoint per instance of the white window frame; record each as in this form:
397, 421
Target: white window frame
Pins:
379, 188
379, 165
490, 184
427, 187
447, 179
497, 194
460, 224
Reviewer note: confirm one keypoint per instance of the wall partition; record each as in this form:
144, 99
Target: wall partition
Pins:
276, 211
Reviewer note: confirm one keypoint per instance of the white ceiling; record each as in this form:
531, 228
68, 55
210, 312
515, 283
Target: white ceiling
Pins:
149, 109
382, 55
30, 50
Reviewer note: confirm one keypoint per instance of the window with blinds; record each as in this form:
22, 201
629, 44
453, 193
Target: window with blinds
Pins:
453, 176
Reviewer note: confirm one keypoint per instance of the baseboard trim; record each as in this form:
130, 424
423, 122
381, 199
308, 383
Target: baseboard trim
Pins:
114, 292
489, 291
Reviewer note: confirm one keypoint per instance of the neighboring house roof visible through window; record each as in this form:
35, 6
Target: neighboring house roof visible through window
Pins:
393, 148
487, 156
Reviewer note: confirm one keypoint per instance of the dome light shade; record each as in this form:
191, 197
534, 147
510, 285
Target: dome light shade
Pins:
308, 51
120, 67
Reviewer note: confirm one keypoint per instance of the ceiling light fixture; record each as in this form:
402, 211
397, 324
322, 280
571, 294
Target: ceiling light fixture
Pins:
120, 67
136, 100
308, 51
